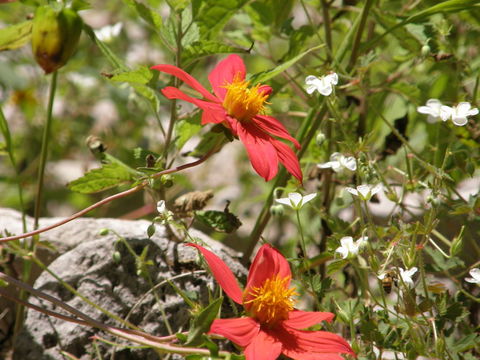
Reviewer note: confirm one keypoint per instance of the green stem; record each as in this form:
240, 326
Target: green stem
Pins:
327, 26
302, 238
358, 37
44, 150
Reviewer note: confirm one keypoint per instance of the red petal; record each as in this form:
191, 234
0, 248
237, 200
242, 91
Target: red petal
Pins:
267, 90
288, 158
274, 127
263, 347
268, 262
241, 330
222, 274
303, 319
225, 72
300, 344
212, 112
186, 78
261, 152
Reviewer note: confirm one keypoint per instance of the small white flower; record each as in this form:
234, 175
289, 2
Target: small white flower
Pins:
324, 84
349, 247
107, 33
364, 192
406, 275
460, 112
435, 111
339, 163
475, 279
296, 200
161, 207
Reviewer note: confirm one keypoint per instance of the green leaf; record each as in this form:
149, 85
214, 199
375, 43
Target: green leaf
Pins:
221, 221
202, 48
335, 266
141, 75
297, 40
15, 36
186, 128
268, 74
404, 37
213, 15
151, 17
106, 177
201, 323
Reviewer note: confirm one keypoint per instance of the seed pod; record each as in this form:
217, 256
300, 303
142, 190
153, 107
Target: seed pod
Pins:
55, 36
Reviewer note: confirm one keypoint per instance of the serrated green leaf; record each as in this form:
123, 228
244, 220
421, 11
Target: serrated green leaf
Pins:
148, 93
106, 177
151, 17
203, 48
268, 74
213, 15
201, 323
222, 221
186, 128
15, 36
335, 266
141, 75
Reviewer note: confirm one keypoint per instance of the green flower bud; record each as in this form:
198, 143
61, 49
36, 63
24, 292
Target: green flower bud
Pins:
103, 232
425, 50
276, 210
116, 256
151, 230
55, 36
320, 138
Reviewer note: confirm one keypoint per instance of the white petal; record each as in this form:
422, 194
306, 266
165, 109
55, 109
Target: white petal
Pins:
295, 198
325, 90
326, 165
347, 242
362, 241
335, 156
308, 197
284, 201
463, 108
446, 112
425, 110
459, 120
364, 191
382, 276
350, 163
375, 189
332, 78
352, 191
310, 88
343, 251
434, 103
310, 79
473, 112
161, 207
411, 271
472, 280
475, 273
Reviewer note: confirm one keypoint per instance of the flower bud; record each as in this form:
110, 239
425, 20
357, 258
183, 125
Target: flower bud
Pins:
320, 138
55, 36
117, 257
425, 50
277, 210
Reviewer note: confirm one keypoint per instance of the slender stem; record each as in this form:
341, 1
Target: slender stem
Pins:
176, 83
302, 238
44, 150
327, 25
110, 198
358, 37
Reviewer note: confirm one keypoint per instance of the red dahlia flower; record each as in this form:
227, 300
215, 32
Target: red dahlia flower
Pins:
241, 109
272, 325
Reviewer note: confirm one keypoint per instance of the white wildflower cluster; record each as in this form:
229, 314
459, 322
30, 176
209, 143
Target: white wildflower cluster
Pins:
437, 111
323, 84
364, 192
340, 163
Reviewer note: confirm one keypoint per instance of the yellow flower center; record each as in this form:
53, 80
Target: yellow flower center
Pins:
242, 102
272, 301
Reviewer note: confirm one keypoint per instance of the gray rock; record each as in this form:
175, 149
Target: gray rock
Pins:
89, 267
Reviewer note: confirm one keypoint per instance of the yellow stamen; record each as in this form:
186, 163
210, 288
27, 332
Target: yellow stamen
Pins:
242, 102
272, 301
